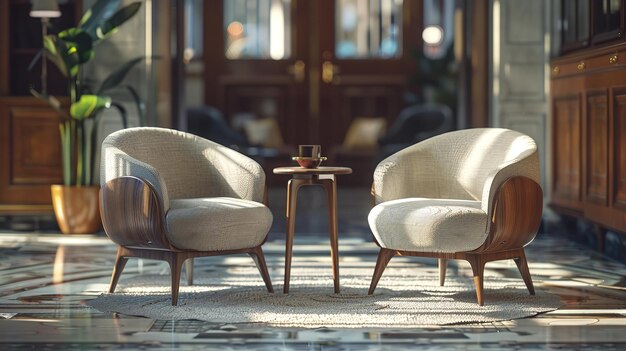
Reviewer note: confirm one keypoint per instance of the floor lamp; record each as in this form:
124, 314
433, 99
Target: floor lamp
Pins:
44, 9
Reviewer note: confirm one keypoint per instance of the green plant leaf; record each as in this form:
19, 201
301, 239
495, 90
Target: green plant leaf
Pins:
63, 54
110, 25
141, 108
82, 42
123, 115
95, 16
51, 51
88, 105
117, 76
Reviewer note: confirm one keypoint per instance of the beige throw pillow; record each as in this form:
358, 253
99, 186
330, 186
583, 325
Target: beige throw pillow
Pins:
264, 132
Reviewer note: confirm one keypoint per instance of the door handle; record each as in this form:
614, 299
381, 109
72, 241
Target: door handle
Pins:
329, 70
297, 69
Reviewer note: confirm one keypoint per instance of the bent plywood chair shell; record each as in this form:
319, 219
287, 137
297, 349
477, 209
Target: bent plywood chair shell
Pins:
471, 194
160, 188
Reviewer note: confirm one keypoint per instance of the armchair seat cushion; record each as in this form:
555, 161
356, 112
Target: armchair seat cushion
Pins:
429, 225
217, 223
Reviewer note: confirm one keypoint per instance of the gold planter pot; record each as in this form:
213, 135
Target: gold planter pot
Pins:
76, 208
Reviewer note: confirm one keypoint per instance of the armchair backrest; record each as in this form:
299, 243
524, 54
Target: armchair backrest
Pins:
188, 166
467, 164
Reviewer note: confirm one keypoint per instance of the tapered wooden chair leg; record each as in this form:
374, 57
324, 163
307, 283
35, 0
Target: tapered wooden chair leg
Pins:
522, 265
120, 263
443, 265
478, 268
189, 271
259, 259
384, 256
176, 265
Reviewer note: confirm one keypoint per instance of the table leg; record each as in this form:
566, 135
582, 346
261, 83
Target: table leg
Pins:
331, 192
292, 197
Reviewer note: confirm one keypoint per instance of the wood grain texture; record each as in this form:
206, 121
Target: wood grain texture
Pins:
133, 218
176, 259
597, 160
313, 171
516, 215
566, 140
132, 214
328, 182
516, 219
259, 259
384, 256
29, 162
601, 99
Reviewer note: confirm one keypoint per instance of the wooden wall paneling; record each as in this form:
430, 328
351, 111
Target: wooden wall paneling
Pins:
34, 159
619, 147
479, 101
567, 150
597, 140
29, 155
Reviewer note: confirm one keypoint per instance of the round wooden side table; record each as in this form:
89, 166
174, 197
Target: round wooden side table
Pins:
326, 177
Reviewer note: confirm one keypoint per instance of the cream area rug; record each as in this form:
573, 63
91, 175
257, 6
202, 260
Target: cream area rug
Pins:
405, 298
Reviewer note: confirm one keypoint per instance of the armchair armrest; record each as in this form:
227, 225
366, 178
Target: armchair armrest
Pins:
527, 165
116, 164
132, 214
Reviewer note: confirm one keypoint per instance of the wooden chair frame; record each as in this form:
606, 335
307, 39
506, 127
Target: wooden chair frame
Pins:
516, 218
133, 217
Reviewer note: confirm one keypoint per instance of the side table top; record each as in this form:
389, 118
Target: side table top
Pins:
318, 170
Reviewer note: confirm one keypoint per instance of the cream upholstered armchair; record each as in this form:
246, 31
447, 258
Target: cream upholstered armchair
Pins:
173, 196
470, 194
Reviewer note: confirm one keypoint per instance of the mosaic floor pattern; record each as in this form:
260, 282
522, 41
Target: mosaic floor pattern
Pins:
45, 280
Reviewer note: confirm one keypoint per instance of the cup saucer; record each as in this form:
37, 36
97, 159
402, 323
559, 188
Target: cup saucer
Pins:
309, 162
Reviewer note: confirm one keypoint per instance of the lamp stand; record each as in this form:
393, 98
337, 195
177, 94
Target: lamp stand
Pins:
44, 66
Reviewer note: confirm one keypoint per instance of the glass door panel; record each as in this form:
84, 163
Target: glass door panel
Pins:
257, 29
368, 29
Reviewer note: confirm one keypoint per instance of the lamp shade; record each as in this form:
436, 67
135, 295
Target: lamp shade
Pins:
45, 9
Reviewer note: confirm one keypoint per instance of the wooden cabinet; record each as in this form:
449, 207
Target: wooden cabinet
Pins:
588, 95
586, 24
30, 158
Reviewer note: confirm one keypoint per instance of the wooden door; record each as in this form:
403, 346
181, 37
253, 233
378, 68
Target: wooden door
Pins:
370, 83
313, 91
253, 84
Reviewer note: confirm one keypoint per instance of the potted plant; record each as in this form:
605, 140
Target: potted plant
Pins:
75, 202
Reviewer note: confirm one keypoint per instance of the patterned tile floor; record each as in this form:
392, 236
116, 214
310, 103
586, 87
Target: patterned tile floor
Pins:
45, 279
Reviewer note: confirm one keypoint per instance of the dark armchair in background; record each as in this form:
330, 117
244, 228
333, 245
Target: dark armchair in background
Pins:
414, 124
209, 123
261, 141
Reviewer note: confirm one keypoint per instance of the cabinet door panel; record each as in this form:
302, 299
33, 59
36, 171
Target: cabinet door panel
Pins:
30, 158
619, 118
35, 141
566, 151
597, 148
